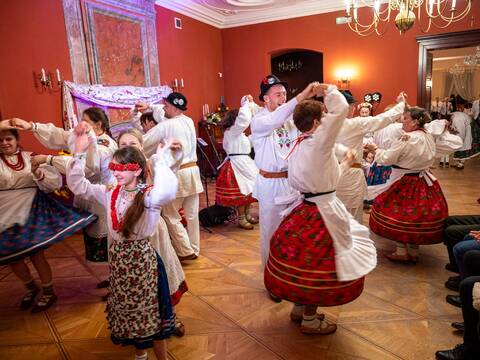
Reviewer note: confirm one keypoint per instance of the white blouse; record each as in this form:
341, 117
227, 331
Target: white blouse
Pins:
415, 153
18, 189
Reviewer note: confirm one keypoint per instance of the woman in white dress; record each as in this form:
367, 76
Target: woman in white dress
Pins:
237, 173
30, 220
55, 138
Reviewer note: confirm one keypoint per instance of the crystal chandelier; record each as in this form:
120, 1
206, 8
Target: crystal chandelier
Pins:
457, 69
440, 13
474, 59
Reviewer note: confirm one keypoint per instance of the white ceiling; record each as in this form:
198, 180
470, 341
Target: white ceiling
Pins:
231, 13
445, 59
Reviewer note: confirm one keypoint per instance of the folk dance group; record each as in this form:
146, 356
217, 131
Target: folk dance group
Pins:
307, 176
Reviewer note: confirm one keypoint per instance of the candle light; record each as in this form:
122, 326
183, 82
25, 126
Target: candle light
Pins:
208, 108
181, 83
59, 79
175, 83
348, 7
454, 3
222, 100
44, 77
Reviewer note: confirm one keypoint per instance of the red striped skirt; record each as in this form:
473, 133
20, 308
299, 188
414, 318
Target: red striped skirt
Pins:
227, 190
301, 264
410, 212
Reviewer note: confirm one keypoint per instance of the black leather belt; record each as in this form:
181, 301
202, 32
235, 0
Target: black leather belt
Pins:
238, 155
311, 195
413, 173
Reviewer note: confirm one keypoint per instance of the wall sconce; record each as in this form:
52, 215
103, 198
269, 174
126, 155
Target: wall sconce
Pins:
428, 83
344, 77
176, 85
44, 80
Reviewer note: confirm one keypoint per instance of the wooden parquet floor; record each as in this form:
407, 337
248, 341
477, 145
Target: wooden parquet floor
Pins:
402, 314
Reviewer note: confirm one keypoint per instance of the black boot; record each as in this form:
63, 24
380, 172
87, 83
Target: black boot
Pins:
454, 300
453, 283
457, 353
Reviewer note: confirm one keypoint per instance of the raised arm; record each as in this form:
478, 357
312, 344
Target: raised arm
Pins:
326, 134
265, 123
165, 183
49, 135
375, 123
76, 180
243, 119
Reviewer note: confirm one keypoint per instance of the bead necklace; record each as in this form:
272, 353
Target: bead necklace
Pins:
19, 166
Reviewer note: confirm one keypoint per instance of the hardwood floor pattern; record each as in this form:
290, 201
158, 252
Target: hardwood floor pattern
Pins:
402, 314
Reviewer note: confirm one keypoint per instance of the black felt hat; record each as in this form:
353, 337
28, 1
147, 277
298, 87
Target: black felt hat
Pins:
348, 95
178, 100
268, 82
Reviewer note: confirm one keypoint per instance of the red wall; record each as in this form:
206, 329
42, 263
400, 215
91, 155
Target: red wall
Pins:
385, 63
193, 53
32, 36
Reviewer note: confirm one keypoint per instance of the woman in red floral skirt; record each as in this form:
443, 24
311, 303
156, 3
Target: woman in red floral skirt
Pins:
319, 254
238, 172
410, 208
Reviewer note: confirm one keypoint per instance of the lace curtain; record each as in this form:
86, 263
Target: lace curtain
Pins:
460, 84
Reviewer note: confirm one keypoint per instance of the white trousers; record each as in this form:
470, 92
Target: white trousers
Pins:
270, 219
185, 242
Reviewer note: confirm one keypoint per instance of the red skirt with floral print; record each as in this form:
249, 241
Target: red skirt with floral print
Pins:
227, 190
301, 264
410, 212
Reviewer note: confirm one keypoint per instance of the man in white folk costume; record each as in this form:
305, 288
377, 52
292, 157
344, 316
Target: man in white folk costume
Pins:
352, 186
272, 134
179, 126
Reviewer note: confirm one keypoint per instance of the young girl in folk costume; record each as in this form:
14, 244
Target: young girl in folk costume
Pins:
139, 309
319, 254
30, 220
52, 137
410, 208
238, 172
160, 240
378, 174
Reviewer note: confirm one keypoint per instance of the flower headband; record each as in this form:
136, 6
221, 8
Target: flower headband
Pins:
365, 105
124, 167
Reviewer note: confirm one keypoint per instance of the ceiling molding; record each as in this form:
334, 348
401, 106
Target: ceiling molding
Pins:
205, 14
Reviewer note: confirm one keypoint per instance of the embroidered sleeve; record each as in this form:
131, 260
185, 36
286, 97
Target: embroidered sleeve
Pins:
80, 186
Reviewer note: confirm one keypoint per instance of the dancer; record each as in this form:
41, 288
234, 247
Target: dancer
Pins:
319, 254
237, 173
160, 240
352, 186
185, 242
139, 310
30, 220
272, 134
55, 138
410, 208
